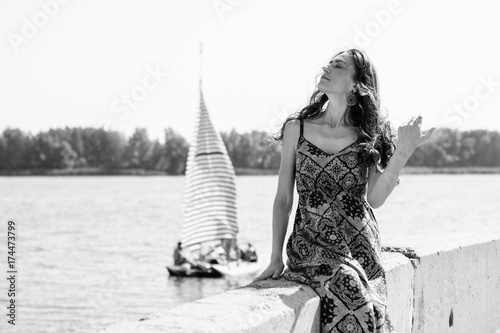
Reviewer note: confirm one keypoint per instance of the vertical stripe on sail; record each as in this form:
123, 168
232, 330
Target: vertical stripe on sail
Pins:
209, 199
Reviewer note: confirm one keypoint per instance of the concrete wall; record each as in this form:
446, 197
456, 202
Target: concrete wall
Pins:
433, 289
399, 274
458, 289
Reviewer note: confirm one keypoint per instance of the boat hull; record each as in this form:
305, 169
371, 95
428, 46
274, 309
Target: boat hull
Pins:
232, 269
182, 271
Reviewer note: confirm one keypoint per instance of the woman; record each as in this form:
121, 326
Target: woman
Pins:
346, 161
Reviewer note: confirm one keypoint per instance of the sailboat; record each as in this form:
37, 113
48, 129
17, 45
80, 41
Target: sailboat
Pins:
209, 202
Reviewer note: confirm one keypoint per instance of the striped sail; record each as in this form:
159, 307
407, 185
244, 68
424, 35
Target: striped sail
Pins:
209, 198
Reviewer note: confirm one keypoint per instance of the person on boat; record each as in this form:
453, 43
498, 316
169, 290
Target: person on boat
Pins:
216, 255
249, 254
209, 257
179, 258
341, 152
234, 254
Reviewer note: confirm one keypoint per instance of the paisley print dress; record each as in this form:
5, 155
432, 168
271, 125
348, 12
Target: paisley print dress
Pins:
335, 245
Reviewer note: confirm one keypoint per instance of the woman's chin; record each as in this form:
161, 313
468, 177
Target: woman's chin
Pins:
321, 88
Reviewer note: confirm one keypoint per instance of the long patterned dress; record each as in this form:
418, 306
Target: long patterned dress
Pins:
335, 243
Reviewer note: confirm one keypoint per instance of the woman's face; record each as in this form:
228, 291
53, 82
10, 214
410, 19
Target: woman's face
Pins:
337, 76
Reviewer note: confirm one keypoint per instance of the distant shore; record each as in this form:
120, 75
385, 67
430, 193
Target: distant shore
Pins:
449, 170
406, 170
238, 171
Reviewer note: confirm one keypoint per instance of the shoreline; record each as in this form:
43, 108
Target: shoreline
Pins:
238, 171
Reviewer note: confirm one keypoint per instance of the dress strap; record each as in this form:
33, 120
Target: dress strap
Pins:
301, 128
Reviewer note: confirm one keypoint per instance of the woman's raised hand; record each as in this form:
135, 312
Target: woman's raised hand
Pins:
410, 136
273, 270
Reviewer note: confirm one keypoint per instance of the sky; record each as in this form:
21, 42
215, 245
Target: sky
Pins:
124, 64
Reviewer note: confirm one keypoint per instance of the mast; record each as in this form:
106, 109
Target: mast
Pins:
201, 63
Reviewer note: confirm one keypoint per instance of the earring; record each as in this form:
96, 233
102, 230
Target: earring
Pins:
351, 98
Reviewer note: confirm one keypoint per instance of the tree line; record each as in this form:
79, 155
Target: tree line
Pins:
76, 148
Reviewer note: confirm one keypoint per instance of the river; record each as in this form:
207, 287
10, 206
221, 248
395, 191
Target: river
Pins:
92, 250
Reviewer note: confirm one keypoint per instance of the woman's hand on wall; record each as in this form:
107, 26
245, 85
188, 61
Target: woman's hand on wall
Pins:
273, 270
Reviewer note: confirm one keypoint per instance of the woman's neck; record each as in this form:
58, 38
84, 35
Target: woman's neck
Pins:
333, 116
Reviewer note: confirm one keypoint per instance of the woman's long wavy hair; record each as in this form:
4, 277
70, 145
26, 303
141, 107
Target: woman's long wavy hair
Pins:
376, 137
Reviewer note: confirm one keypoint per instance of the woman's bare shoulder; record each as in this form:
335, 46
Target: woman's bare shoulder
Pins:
291, 132
293, 123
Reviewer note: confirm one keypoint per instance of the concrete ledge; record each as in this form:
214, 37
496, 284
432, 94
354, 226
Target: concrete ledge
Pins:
438, 288
270, 306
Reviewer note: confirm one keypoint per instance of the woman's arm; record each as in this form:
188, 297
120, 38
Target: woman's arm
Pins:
380, 185
283, 201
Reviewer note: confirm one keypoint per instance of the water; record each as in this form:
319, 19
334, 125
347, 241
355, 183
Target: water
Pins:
93, 250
